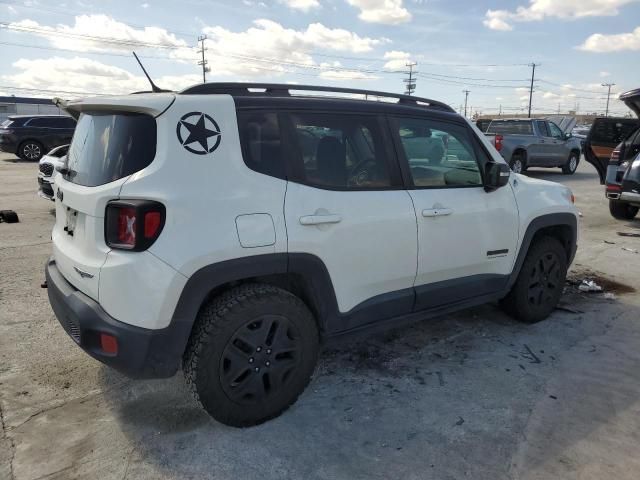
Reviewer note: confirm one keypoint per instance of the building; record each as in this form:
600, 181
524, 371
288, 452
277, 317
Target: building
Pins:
27, 106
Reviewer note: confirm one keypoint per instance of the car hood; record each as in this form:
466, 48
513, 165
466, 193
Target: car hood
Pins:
564, 122
632, 100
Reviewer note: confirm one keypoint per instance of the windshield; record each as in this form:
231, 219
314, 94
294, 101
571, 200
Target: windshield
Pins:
511, 127
108, 146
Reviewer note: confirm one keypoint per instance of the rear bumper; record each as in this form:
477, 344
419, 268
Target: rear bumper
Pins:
142, 353
630, 197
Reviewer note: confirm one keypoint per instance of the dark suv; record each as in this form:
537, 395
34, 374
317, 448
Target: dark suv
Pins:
31, 136
613, 147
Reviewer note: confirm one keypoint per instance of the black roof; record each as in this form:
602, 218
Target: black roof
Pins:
269, 91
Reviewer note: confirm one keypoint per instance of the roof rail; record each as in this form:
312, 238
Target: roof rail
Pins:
283, 90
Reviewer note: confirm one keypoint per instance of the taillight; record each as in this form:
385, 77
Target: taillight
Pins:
498, 142
615, 156
133, 224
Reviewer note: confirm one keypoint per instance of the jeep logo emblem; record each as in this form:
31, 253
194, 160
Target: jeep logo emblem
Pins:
198, 133
59, 194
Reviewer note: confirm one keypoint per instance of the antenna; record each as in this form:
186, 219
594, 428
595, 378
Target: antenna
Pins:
154, 87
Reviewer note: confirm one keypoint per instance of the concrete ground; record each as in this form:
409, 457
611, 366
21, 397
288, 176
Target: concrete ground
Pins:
474, 395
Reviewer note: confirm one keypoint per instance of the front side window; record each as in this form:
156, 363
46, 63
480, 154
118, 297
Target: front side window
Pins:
555, 131
439, 154
110, 146
341, 151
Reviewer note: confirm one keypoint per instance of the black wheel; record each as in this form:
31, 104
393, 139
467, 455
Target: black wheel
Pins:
570, 167
8, 216
518, 163
622, 210
31, 150
540, 282
252, 354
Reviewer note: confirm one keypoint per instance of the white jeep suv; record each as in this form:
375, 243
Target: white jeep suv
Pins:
232, 228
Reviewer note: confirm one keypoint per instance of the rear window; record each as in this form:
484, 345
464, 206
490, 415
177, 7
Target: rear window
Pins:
108, 146
511, 127
612, 131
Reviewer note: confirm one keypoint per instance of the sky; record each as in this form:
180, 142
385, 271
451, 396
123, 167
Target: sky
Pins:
76, 48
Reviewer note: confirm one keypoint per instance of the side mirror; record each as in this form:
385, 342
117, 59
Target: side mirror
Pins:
567, 135
496, 175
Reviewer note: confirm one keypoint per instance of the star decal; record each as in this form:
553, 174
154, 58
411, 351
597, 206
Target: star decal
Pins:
198, 128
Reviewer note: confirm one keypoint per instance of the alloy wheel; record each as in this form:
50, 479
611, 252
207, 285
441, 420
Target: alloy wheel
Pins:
516, 166
31, 151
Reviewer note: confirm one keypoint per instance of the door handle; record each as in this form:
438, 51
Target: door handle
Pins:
436, 212
541, 141
320, 219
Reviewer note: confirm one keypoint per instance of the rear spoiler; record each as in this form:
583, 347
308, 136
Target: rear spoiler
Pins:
150, 103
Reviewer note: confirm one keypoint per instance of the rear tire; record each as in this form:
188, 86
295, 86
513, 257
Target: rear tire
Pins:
518, 163
31, 151
252, 353
540, 282
571, 166
622, 210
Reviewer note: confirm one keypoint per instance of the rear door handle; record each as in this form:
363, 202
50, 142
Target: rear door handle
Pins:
436, 212
320, 219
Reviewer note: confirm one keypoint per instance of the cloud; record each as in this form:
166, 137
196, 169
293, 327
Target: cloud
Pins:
599, 42
99, 27
396, 60
390, 12
335, 71
244, 53
304, 5
541, 9
605, 74
145, 5
80, 74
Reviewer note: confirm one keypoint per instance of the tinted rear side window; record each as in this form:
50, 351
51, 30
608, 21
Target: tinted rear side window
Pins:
510, 127
107, 147
611, 131
261, 143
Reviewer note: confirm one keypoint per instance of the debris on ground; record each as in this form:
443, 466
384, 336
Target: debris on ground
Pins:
632, 250
460, 421
8, 216
610, 243
610, 296
589, 286
629, 234
564, 308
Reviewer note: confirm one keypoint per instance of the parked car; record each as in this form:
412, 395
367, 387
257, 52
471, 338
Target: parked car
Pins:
231, 228
48, 165
30, 136
612, 146
525, 143
581, 131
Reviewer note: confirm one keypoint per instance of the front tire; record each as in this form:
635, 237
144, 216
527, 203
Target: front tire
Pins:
571, 166
31, 151
518, 163
622, 210
252, 354
540, 282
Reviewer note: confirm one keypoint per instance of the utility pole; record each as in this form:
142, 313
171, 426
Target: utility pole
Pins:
533, 73
203, 62
466, 97
500, 111
608, 85
410, 86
